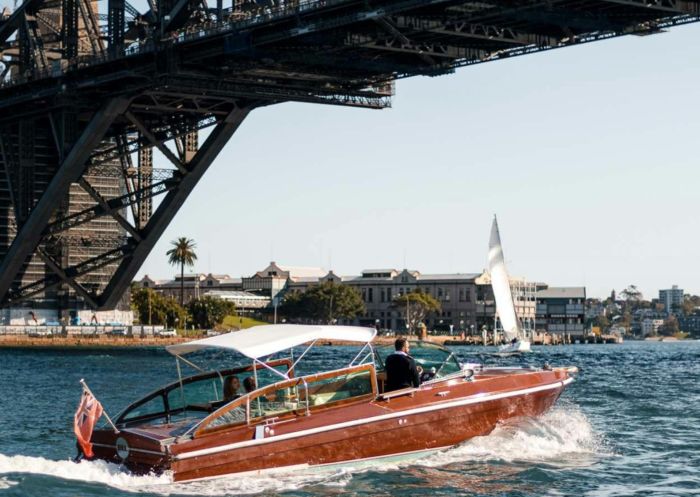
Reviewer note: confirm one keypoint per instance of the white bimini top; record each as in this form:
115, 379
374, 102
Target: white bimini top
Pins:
261, 341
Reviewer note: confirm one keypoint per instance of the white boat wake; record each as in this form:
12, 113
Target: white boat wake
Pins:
87, 471
561, 438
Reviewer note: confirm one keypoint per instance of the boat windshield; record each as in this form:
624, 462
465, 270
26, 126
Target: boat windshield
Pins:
197, 396
436, 360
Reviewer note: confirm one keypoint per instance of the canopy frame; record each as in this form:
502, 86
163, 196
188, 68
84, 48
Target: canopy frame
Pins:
257, 360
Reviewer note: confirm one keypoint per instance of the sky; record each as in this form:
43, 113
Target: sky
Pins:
587, 154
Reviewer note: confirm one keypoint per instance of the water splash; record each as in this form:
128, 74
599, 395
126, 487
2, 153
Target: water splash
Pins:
562, 437
6, 483
87, 471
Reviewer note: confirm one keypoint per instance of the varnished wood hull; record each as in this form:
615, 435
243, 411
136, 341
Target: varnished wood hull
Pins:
433, 417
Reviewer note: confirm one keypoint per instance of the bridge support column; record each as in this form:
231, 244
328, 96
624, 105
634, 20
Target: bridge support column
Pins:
30, 233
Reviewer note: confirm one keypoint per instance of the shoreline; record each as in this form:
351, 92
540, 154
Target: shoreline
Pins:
103, 342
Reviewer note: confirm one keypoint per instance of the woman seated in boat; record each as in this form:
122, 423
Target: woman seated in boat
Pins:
231, 386
401, 369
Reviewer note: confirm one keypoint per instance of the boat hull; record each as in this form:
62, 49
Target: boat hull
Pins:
417, 421
375, 437
518, 347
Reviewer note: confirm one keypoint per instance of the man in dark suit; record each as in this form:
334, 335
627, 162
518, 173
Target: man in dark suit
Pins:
401, 370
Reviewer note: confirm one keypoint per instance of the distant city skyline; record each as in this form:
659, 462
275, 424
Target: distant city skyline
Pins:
585, 154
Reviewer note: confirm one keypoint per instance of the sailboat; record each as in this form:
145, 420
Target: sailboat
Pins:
516, 341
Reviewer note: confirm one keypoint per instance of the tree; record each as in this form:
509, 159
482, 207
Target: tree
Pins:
209, 312
292, 305
326, 303
602, 322
182, 254
670, 327
417, 305
690, 304
631, 295
152, 308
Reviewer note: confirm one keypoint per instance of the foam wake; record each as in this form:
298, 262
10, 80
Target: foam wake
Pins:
561, 437
88, 471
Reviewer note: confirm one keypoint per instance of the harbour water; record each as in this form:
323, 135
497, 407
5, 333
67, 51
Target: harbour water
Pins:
629, 426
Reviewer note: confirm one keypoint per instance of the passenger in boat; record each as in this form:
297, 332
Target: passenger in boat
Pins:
231, 387
249, 384
401, 369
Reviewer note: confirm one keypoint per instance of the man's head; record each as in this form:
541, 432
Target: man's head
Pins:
249, 384
401, 344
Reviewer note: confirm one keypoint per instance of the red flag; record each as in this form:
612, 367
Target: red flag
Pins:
89, 411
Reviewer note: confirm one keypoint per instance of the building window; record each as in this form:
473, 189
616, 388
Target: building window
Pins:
370, 295
388, 294
382, 296
447, 295
439, 293
364, 295
461, 294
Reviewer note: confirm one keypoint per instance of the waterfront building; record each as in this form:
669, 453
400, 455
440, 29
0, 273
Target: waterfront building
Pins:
593, 309
690, 324
561, 310
195, 285
672, 299
466, 299
245, 302
275, 279
650, 326
639, 315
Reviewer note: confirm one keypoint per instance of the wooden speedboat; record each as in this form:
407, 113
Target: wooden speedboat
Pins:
326, 418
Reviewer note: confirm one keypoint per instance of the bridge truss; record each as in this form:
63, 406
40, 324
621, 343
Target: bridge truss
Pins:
90, 90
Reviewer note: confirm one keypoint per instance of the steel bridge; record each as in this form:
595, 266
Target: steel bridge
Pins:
89, 89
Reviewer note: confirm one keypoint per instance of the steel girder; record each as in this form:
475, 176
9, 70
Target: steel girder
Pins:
141, 235
171, 204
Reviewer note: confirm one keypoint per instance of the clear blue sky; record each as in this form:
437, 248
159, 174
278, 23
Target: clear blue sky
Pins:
587, 154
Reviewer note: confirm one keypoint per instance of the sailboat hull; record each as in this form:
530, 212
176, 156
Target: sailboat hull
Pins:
518, 347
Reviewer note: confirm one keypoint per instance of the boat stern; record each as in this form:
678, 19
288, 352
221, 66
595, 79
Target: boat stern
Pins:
139, 451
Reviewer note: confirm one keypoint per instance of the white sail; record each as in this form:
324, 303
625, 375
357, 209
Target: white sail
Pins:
501, 285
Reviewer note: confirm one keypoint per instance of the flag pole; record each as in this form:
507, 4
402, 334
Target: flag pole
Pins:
104, 413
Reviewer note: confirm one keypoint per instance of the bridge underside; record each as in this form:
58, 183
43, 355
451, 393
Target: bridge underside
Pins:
89, 100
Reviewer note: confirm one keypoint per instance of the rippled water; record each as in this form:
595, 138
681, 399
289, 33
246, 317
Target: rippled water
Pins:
629, 426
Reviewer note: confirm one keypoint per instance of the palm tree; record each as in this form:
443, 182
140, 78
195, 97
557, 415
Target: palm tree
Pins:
182, 254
